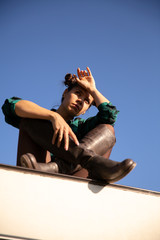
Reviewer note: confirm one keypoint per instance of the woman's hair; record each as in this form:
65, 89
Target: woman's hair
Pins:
70, 81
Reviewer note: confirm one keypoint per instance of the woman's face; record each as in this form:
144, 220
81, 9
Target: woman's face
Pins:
76, 101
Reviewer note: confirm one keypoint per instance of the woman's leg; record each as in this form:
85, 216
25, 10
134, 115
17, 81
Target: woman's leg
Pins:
41, 132
100, 140
27, 145
100, 148
36, 157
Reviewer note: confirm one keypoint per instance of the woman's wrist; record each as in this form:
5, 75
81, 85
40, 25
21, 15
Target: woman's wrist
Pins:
98, 97
51, 116
92, 90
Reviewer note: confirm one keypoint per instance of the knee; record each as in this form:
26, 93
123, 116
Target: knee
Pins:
110, 127
111, 132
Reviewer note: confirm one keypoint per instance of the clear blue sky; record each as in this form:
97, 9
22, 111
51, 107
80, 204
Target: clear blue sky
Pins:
40, 41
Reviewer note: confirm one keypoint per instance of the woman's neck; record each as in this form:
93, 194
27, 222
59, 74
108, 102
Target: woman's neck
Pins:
62, 111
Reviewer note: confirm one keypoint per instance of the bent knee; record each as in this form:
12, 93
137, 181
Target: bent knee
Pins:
112, 132
110, 127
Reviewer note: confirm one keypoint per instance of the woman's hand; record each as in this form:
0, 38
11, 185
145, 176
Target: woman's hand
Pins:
86, 79
62, 131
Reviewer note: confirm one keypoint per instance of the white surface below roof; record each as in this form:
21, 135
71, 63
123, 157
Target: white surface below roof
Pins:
35, 205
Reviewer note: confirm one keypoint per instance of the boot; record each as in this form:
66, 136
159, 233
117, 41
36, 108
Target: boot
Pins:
99, 140
41, 131
109, 170
29, 161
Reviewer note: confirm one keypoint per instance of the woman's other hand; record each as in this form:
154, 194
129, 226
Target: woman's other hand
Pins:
62, 131
86, 79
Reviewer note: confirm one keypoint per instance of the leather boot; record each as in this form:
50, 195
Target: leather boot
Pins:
41, 131
29, 161
99, 140
109, 170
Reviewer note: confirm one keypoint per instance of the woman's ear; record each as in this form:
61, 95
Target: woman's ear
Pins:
64, 93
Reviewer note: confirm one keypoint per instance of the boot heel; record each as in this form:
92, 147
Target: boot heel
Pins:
28, 160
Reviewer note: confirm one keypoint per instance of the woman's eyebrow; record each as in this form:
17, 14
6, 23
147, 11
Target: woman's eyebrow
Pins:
84, 93
81, 91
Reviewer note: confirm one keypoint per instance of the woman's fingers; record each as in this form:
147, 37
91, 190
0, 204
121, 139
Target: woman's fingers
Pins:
61, 134
89, 71
54, 136
66, 135
84, 73
73, 136
79, 73
60, 137
66, 140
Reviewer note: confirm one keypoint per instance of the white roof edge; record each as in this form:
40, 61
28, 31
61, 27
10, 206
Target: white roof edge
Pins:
75, 178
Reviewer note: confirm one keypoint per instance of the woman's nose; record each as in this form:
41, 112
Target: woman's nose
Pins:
79, 100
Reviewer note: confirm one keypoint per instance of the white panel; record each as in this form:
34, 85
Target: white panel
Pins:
41, 206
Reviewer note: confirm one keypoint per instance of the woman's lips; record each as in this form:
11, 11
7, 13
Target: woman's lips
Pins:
76, 107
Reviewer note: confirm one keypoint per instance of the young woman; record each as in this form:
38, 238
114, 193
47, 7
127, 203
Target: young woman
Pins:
56, 141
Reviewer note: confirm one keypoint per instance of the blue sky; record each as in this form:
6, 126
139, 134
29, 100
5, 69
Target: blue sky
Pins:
119, 40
